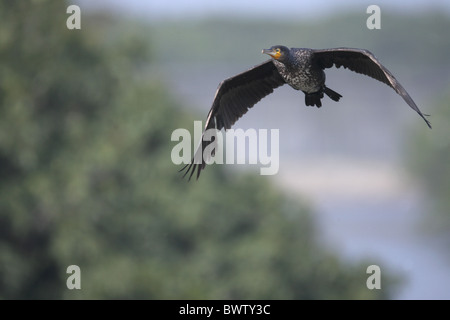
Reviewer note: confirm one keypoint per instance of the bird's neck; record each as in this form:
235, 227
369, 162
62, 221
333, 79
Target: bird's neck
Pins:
286, 63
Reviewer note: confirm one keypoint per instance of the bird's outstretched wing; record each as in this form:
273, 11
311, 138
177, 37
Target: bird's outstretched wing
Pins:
234, 96
364, 62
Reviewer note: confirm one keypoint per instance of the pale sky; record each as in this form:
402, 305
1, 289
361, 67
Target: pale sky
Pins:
158, 9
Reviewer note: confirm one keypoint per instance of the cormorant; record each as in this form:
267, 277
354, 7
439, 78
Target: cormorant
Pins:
302, 69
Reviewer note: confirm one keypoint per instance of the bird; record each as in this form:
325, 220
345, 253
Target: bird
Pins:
300, 68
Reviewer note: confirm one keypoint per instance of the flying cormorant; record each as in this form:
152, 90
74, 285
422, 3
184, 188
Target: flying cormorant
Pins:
302, 69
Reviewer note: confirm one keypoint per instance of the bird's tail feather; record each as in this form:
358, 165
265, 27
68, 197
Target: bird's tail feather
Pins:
332, 94
314, 99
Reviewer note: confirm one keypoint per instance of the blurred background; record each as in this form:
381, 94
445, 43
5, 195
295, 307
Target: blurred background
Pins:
86, 176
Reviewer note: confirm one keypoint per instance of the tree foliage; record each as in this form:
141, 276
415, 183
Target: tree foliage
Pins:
86, 179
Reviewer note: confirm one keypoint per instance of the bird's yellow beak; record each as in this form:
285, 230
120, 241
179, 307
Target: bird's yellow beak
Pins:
272, 52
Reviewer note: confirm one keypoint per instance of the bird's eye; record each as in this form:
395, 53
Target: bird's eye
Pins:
278, 50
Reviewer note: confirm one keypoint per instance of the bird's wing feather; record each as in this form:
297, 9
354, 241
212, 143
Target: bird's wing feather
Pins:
237, 94
233, 98
364, 62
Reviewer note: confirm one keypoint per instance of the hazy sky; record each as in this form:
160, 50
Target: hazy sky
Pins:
278, 8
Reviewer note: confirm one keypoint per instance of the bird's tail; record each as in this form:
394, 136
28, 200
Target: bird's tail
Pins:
332, 94
313, 99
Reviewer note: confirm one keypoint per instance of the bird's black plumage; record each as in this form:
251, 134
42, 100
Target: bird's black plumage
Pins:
302, 69
234, 96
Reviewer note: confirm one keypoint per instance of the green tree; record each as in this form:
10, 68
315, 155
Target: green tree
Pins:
86, 179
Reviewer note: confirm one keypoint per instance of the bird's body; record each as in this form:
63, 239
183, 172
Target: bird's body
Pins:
302, 69
300, 72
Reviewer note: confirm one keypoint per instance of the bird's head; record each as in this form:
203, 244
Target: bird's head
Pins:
279, 53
